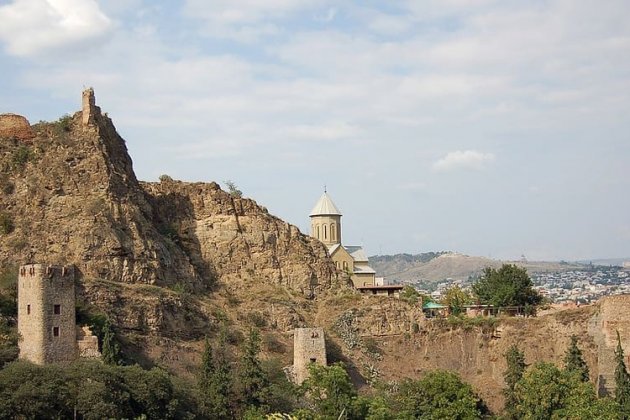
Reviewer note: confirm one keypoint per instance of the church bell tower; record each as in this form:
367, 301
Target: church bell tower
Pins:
326, 221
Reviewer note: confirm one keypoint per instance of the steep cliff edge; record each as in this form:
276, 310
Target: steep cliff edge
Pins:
150, 255
169, 261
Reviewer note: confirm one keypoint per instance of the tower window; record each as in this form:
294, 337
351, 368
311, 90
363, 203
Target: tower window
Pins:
28, 309
57, 309
55, 331
333, 232
325, 231
317, 231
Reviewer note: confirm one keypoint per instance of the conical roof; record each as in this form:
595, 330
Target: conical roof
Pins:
325, 207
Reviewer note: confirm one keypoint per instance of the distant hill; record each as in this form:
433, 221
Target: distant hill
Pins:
433, 267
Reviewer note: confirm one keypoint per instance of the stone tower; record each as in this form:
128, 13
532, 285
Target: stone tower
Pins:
326, 221
88, 107
309, 347
46, 313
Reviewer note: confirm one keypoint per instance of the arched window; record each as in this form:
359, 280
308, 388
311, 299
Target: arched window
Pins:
317, 231
345, 265
325, 231
336, 263
333, 232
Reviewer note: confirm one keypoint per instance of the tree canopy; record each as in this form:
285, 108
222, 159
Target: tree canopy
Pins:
574, 362
546, 392
515, 360
455, 298
438, 395
510, 285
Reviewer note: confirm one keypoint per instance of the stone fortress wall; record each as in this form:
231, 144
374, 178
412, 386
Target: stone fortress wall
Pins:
46, 313
613, 316
309, 346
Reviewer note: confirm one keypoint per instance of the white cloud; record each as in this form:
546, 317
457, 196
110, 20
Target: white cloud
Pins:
33, 26
468, 159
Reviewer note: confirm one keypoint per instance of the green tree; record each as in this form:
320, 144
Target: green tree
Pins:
546, 392
8, 342
622, 381
214, 380
574, 362
253, 384
515, 359
508, 286
233, 189
409, 294
330, 389
32, 392
110, 350
439, 395
455, 298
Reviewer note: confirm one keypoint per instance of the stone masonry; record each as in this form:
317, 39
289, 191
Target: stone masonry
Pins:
309, 347
88, 107
46, 313
612, 317
15, 126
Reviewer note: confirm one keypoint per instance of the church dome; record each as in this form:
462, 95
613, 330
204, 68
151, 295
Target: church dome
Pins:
325, 207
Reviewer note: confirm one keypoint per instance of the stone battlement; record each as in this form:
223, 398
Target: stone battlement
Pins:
15, 126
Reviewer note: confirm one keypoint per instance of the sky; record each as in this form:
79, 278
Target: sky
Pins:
496, 128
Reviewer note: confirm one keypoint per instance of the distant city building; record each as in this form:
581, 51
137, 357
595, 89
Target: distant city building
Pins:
326, 226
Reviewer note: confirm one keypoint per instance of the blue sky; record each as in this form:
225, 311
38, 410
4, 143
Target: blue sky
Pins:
494, 128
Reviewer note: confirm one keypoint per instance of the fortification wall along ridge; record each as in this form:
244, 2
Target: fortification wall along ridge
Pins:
309, 346
15, 126
46, 313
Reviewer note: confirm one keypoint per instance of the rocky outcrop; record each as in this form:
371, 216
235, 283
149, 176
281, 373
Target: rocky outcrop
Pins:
15, 126
145, 253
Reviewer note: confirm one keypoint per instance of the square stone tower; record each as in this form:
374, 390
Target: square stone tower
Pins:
46, 313
309, 347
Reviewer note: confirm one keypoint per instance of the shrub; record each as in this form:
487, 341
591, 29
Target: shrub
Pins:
371, 347
21, 156
234, 337
256, 319
165, 178
272, 344
6, 186
6, 224
233, 189
64, 123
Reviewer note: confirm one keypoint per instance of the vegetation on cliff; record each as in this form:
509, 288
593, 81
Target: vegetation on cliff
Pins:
508, 286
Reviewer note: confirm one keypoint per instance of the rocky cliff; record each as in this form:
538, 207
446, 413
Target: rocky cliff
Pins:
169, 261
147, 254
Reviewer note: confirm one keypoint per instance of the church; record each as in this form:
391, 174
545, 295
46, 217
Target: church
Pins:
326, 226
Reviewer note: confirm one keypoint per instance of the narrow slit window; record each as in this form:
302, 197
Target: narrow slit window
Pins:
57, 309
28, 309
55, 331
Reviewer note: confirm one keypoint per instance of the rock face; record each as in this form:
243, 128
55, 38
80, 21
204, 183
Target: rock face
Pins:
478, 353
143, 252
15, 126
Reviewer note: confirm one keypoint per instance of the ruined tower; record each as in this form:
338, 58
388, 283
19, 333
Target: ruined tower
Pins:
88, 108
46, 313
309, 347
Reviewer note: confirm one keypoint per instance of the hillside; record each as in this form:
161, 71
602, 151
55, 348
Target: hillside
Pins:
160, 259
171, 262
438, 266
